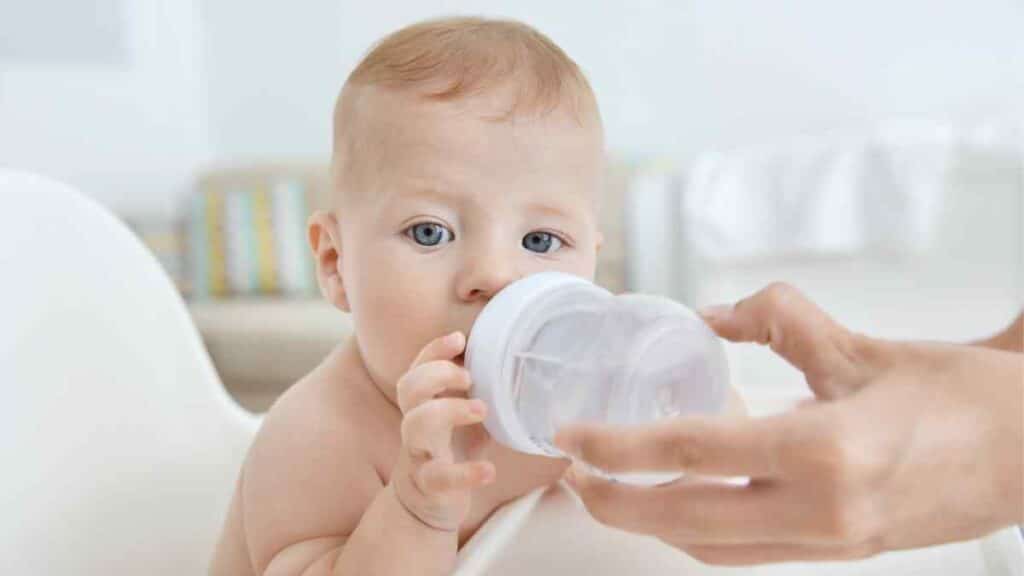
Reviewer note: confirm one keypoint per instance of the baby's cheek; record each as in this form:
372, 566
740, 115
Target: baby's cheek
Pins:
398, 319
578, 264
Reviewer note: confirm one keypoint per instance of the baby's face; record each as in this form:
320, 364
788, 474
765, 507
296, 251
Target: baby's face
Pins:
449, 208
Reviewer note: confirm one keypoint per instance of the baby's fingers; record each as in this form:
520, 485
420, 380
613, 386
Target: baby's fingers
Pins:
427, 429
436, 477
443, 348
429, 380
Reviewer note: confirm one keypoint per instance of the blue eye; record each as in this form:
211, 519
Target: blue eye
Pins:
541, 242
429, 234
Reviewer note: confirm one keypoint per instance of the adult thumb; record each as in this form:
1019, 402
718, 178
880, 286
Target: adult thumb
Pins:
832, 358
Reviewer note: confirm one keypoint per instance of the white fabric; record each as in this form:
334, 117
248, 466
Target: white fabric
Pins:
120, 446
821, 197
549, 532
657, 256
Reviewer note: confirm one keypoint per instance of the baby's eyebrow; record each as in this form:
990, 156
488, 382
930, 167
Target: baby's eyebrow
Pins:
548, 209
452, 197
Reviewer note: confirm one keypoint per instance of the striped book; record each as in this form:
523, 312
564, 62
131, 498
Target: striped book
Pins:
295, 263
248, 237
241, 244
209, 272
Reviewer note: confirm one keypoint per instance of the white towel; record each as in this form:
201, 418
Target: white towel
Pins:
818, 197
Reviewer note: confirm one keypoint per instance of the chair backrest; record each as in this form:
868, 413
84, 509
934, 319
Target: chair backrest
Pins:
119, 445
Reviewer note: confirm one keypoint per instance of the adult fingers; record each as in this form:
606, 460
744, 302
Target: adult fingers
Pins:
769, 553
835, 361
702, 445
688, 512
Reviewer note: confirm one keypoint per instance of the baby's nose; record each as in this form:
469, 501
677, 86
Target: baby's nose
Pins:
485, 278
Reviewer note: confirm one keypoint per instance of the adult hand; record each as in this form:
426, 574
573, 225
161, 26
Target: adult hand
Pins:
906, 445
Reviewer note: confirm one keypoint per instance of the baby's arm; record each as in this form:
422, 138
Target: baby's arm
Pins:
430, 490
314, 504
304, 486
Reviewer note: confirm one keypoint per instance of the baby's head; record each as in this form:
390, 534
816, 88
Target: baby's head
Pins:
468, 153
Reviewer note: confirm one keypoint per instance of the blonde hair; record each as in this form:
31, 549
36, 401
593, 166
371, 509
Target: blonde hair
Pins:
456, 58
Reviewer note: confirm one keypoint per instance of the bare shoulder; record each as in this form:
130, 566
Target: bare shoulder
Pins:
310, 472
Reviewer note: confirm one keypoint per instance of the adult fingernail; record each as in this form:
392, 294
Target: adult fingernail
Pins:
453, 338
478, 408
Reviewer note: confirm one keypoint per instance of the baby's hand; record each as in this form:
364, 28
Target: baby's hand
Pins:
427, 480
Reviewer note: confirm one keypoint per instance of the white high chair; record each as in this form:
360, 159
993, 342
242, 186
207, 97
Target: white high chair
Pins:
119, 445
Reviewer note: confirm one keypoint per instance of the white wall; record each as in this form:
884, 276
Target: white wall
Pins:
223, 80
765, 70
273, 71
672, 77
129, 130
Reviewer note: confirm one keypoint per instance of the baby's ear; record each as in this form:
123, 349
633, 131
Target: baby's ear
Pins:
325, 241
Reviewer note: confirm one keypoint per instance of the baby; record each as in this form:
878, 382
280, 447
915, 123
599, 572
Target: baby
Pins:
468, 153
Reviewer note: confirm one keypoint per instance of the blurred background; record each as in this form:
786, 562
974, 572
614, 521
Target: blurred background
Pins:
868, 152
